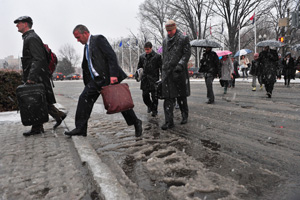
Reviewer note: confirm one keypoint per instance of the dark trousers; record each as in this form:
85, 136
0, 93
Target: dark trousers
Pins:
233, 82
86, 101
182, 102
269, 87
209, 86
168, 110
151, 102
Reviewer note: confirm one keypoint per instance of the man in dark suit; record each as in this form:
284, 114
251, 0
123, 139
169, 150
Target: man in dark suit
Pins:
100, 68
150, 62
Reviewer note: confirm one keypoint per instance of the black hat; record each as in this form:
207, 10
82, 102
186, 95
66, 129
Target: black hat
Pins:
24, 19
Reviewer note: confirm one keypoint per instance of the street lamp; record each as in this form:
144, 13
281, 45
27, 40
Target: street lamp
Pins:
261, 38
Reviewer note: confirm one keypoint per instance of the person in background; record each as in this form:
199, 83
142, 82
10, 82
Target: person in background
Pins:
151, 64
209, 66
235, 73
100, 68
288, 68
255, 71
226, 72
244, 63
35, 70
175, 77
268, 60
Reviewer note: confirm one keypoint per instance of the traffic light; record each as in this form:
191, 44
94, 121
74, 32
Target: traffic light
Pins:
281, 39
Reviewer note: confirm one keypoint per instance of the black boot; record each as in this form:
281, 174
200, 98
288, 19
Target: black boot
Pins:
59, 120
35, 129
167, 126
138, 128
76, 132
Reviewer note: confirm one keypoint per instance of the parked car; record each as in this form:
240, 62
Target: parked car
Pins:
73, 76
58, 76
193, 72
297, 74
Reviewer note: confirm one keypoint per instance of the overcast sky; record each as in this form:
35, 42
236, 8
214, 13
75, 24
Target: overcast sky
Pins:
54, 21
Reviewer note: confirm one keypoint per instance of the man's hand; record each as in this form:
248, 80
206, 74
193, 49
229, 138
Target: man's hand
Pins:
30, 82
113, 80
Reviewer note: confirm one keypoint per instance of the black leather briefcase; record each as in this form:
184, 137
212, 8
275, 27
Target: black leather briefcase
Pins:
32, 103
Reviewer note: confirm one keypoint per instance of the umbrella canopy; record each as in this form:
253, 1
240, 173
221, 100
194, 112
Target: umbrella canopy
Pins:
296, 47
242, 52
271, 43
159, 50
205, 43
223, 53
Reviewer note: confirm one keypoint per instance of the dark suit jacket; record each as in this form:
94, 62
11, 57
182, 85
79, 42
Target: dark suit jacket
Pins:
104, 61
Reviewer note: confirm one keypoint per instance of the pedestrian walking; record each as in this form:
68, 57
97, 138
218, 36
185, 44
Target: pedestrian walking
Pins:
100, 68
288, 68
35, 70
255, 71
235, 73
268, 60
151, 63
175, 78
245, 65
209, 66
226, 72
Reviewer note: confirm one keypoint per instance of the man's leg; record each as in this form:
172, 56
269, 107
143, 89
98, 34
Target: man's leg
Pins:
154, 103
58, 115
147, 100
131, 119
209, 86
168, 110
182, 101
85, 105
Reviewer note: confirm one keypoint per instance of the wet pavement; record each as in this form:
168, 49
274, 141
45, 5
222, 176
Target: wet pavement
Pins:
244, 146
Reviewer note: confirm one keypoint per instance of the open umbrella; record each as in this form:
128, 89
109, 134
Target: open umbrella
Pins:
271, 43
242, 52
223, 53
205, 43
296, 47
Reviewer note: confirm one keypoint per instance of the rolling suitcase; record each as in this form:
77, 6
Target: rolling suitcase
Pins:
32, 104
117, 98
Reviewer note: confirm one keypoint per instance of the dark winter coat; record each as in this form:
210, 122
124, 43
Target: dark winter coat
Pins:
255, 69
210, 64
288, 68
176, 54
35, 63
269, 63
235, 69
104, 61
151, 64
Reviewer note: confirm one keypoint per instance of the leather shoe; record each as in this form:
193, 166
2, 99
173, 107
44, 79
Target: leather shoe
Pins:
76, 132
59, 121
183, 121
210, 102
33, 132
138, 128
154, 113
167, 126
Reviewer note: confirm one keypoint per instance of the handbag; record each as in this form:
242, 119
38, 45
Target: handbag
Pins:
117, 98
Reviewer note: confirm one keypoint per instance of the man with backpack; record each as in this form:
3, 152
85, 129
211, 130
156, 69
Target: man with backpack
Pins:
35, 63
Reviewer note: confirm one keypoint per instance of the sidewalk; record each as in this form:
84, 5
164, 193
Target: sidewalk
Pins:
47, 166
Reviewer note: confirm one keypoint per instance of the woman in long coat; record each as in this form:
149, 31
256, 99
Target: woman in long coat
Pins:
288, 68
226, 72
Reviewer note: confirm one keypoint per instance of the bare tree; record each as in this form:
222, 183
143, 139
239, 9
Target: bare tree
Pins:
68, 52
236, 14
153, 14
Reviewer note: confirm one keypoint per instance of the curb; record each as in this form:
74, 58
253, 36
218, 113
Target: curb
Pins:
105, 181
